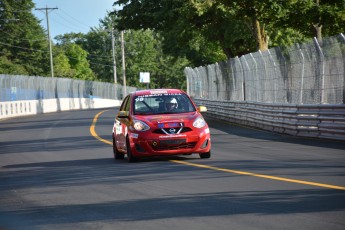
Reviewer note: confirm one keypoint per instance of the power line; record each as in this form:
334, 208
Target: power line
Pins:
76, 20
67, 24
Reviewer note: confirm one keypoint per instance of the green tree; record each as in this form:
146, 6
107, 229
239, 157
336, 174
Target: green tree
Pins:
68, 38
97, 42
23, 41
62, 67
8, 67
252, 20
178, 23
234, 26
78, 61
317, 18
98, 45
143, 51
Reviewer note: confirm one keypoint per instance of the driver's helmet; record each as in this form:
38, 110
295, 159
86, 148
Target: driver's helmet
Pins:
171, 103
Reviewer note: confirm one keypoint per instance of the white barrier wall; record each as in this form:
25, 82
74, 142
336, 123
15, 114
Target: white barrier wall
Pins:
11, 109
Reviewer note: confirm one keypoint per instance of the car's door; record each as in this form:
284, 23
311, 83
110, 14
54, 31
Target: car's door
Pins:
121, 123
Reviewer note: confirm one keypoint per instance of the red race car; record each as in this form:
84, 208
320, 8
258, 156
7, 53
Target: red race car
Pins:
160, 122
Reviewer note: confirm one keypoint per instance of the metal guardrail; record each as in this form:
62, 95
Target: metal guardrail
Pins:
29, 95
317, 121
17, 87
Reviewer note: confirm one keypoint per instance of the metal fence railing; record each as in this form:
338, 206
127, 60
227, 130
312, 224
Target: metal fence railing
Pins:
13, 88
308, 73
322, 121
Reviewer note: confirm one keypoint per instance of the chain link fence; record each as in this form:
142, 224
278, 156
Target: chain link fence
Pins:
13, 88
308, 73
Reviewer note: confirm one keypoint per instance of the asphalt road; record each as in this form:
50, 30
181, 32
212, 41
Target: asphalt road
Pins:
57, 172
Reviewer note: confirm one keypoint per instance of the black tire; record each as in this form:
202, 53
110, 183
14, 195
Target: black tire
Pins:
205, 155
130, 156
117, 154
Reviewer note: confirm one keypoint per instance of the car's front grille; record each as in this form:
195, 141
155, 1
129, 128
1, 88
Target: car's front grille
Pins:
160, 131
185, 145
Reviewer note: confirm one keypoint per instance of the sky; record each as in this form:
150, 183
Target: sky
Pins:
72, 15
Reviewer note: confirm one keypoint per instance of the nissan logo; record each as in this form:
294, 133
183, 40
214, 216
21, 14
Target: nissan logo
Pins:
172, 130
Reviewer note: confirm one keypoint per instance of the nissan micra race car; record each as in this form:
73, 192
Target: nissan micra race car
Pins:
160, 123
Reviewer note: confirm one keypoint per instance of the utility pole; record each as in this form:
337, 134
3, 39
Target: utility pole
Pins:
114, 60
123, 65
49, 40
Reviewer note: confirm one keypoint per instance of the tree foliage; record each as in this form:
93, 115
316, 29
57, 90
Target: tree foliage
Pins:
317, 18
23, 43
182, 30
78, 61
99, 45
62, 66
144, 54
234, 26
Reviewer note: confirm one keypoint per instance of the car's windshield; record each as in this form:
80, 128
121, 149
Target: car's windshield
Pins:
162, 104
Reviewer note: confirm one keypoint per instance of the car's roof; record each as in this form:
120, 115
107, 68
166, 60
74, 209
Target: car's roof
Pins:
157, 91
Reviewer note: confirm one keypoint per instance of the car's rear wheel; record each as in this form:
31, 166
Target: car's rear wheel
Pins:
117, 154
130, 156
205, 155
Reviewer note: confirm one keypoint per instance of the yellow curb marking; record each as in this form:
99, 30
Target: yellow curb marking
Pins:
259, 175
93, 133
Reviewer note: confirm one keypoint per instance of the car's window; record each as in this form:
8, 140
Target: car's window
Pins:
128, 104
124, 103
162, 104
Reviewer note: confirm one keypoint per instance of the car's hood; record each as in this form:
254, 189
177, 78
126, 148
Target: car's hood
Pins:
154, 120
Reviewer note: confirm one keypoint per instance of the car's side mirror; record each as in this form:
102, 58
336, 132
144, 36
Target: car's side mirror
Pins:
123, 114
202, 109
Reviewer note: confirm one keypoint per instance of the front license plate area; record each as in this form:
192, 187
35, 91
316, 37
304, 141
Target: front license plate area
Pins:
172, 142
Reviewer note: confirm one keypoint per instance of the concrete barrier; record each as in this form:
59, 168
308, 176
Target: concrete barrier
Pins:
10, 109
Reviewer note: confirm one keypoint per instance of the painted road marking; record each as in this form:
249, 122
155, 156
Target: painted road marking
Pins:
260, 175
93, 133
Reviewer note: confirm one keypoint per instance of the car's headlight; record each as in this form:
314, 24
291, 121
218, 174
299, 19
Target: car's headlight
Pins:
199, 122
140, 126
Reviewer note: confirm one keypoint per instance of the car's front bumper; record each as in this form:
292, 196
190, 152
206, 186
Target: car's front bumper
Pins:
152, 144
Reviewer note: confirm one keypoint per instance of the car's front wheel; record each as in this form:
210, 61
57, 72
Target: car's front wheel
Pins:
117, 154
205, 155
130, 156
